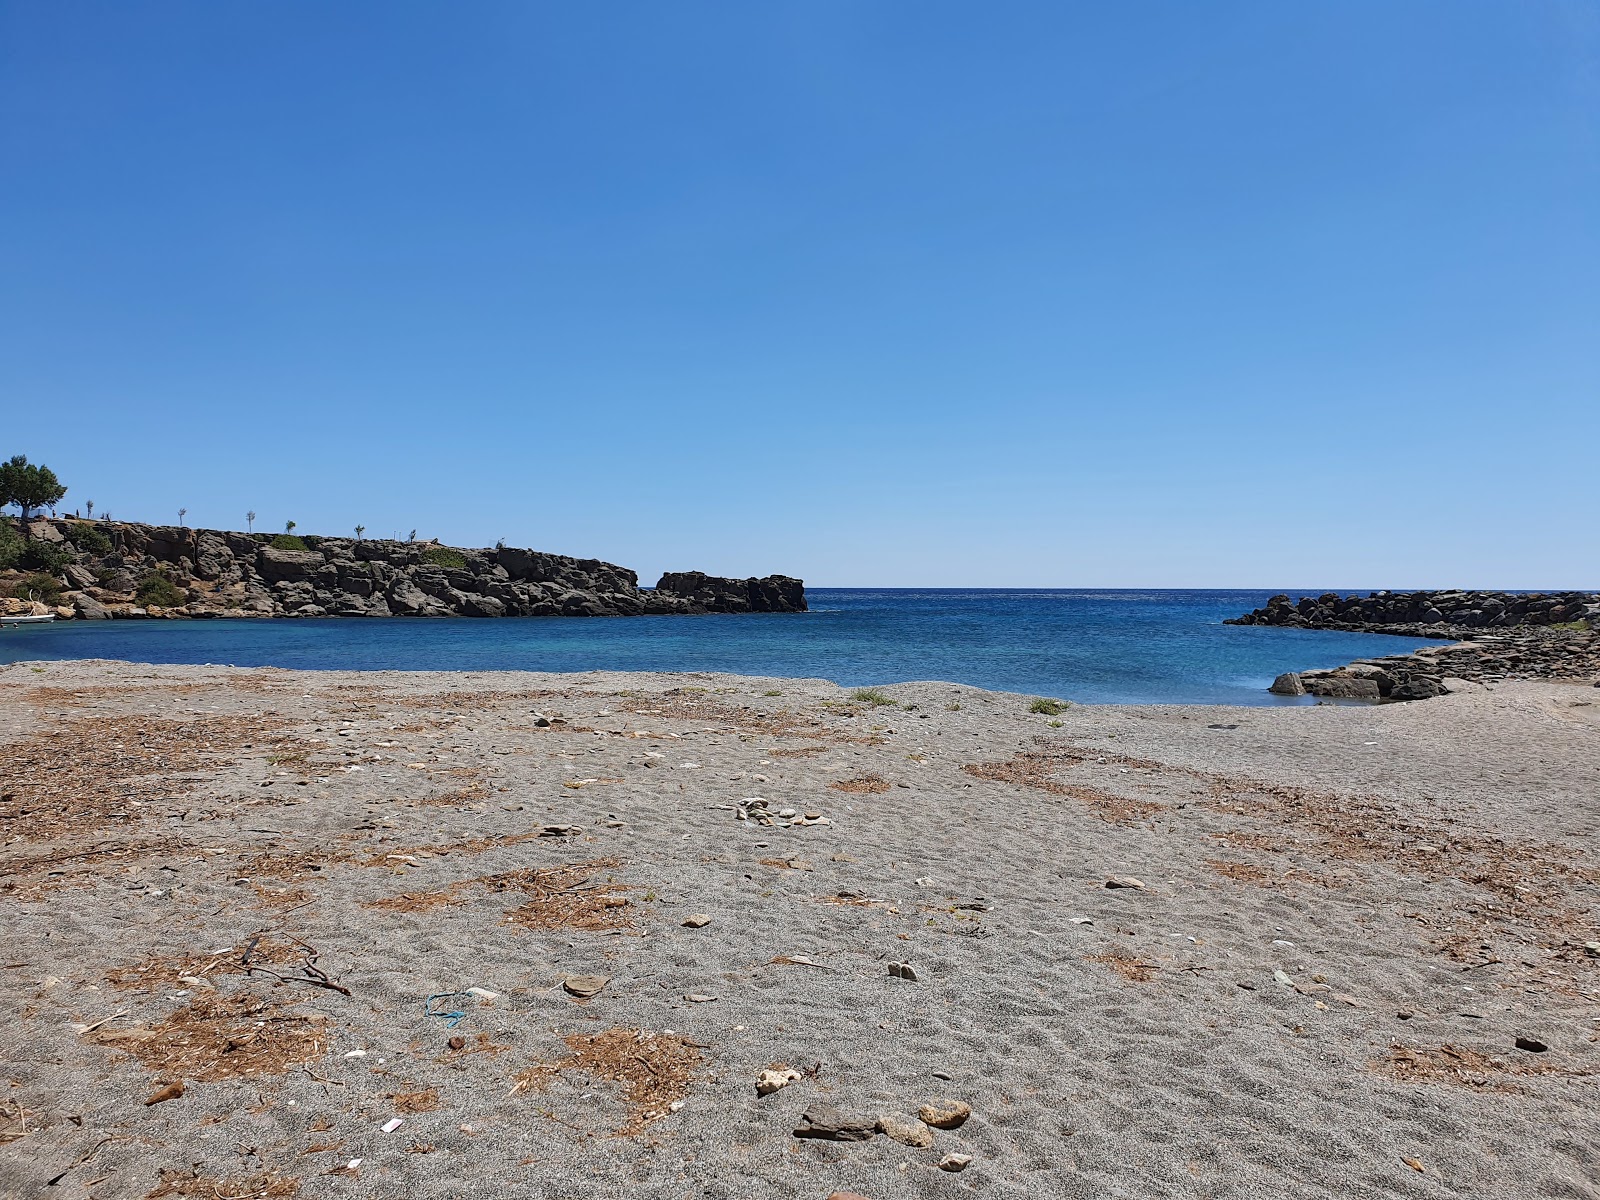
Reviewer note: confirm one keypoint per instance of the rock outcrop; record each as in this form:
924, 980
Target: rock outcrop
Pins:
1502, 635
125, 570
775, 593
1427, 614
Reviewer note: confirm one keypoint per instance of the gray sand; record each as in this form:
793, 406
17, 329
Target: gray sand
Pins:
1231, 1028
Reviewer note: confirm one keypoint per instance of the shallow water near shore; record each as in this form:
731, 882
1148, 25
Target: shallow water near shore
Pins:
1091, 646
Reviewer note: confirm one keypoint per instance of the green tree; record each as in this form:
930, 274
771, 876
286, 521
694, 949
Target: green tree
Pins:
29, 486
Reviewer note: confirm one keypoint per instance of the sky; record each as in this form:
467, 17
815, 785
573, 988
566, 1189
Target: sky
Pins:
882, 293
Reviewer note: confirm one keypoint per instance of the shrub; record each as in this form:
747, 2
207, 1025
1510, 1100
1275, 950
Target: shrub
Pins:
91, 540
873, 697
288, 541
1050, 708
11, 545
48, 557
443, 556
38, 587
156, 588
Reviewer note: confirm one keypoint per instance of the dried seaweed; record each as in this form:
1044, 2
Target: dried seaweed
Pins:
865, 785
1036, 769
653, 1070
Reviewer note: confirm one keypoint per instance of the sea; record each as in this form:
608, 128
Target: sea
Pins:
1095, 646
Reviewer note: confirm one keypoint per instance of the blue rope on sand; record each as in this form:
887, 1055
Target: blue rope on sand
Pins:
451, 1019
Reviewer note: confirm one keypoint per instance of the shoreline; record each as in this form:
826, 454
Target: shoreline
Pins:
1495, 636
1332, 924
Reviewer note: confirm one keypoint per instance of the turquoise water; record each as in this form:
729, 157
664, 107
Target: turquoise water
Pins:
1095, 647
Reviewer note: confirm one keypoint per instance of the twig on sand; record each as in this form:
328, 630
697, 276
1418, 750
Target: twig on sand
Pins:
100, 1022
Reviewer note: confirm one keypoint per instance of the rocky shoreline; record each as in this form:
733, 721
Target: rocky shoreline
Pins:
1497, 636
102, 570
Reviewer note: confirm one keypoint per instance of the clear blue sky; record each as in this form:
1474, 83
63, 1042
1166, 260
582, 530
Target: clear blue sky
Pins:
909, 293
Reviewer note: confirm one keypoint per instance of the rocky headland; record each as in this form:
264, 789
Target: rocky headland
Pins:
100, 570
1495, 636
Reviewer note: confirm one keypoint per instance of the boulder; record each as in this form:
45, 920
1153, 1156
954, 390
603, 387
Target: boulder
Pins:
1287, 684
78, 576
1341, 687
278, 566
88, 608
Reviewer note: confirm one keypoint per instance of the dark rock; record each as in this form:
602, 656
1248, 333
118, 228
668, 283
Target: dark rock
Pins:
77, 576
775, 593
1288, 684
825, 1121
90, 609
1340, 687
283, 566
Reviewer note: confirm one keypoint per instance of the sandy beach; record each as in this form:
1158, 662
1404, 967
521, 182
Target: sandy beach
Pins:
1323, 951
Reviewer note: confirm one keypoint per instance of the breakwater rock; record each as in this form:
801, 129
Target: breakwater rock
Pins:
1500, 636
104, 570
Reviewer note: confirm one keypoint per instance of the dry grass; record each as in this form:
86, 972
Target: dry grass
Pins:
653, 1070
84, 774
165, 972
1135, 970
1036, 769
865, 785
216, 1037
1257, 876
559, 897
1530, 885
263, 1185
701, 708
75, 868
466, 848
1463, 1068
293, 866
797, 752
420, 1101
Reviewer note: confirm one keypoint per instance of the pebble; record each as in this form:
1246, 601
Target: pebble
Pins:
945, 1113
771, 1081
903, 971
908, 1131
697, 998
955, 1162
846, 1196
1124, 881
1531, 1045
584, 986
697, 921
826, 1121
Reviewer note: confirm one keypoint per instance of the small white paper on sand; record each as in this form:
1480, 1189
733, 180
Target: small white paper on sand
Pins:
393, 1123
483, 993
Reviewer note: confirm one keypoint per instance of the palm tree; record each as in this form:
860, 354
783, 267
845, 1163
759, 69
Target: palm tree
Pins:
250, 522
182, 513
88, 506
360, 529
288, 526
